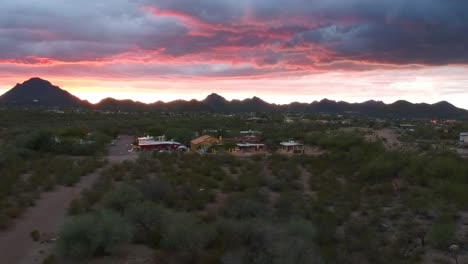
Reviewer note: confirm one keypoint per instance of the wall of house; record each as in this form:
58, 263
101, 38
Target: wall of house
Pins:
464, 139
169, 147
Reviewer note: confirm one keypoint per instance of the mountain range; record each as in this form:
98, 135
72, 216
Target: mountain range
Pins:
37, 92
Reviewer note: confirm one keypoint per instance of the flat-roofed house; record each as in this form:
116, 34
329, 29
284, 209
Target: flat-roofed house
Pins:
464, 138
292, 146
250, 147
158, 144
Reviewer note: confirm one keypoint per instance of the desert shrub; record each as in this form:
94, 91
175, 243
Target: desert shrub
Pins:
158, 190
51, 259
121, 197
381, 168
230, 184
240, 207
452, 192
14, 212
233, 170
35, 235
39, 140
297, 244
93, 234
194, 198
257, 238
4, 221
259, 241
442, 234
184, 232
146, 218
290, 204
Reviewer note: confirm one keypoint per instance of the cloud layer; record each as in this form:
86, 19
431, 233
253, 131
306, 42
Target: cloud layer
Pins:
240, 39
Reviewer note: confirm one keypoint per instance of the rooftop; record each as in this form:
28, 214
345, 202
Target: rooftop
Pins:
246, 145
201, 139
290, 144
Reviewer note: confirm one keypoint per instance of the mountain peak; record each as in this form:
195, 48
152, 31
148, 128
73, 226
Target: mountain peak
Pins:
444, 104
39, 92
214, 96
36, 79
35, 82
402, 102
256, 99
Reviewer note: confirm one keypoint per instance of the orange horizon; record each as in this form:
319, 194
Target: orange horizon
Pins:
147, 91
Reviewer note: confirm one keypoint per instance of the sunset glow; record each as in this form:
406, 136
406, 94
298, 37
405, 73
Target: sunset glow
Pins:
150, 50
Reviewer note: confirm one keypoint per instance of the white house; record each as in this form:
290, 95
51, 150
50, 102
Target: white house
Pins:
292, 146
464, 138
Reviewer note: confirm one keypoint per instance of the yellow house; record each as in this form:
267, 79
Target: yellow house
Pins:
204, 142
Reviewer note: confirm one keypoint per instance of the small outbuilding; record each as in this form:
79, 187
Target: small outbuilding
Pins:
292, 146
407, 127
464, 138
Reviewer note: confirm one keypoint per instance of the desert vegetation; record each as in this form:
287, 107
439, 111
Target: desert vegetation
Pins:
362, 199
358, 203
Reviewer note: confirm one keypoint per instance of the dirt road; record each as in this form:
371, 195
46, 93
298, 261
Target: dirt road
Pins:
47, 216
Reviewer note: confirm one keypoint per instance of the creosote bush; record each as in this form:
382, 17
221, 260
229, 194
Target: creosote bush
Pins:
89, 235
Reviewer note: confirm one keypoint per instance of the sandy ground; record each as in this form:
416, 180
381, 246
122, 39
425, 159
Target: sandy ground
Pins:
390, 136
47, 216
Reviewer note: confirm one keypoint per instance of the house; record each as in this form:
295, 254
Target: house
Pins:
203, 143
158, 144
250, 147
210, 131
464, 138
256, 119
407, 127
250, 132
248, 139
292, 146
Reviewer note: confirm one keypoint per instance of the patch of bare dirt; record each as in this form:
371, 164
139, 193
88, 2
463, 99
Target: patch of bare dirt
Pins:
389, 136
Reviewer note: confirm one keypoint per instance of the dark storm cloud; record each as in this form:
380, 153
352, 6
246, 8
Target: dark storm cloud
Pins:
296, 33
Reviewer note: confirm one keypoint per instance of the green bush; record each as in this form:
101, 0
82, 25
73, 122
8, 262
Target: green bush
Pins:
241, 207
51, 259
93, 234
35, 235
442, 234
121, 197
184, 232
146, 218
298, 245
260, 241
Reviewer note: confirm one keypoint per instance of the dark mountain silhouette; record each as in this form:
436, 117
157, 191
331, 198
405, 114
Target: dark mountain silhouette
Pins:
111, 104
215, 100
38, 92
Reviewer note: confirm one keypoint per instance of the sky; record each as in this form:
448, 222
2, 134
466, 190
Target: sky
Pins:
279, 50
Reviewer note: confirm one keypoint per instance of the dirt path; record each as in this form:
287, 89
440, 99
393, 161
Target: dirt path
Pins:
47, 216
390, 136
